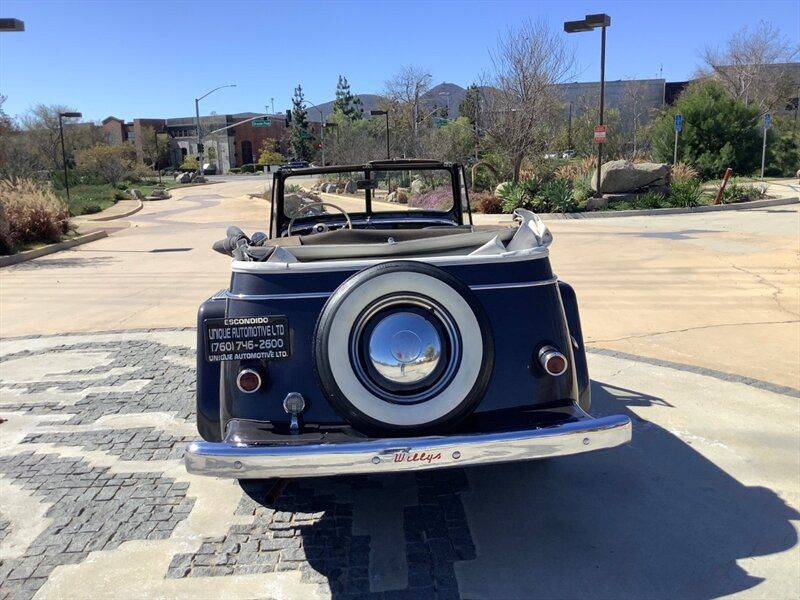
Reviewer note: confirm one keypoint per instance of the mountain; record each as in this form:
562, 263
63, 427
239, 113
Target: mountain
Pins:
441, 95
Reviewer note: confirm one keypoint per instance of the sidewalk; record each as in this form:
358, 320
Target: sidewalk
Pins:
92, 222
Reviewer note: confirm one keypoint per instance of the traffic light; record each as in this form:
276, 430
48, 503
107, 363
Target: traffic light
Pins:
200, 147
288, 118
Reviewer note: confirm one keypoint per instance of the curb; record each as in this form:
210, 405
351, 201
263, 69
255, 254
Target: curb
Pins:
120, 216
606, 214
7, 261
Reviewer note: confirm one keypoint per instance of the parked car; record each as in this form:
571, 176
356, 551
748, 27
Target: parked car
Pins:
372, 332
296, 164
569, 153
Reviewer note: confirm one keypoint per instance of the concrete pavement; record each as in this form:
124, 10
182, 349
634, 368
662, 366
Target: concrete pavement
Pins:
692, 327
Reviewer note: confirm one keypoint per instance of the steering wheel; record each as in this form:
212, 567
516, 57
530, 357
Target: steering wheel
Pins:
309, 205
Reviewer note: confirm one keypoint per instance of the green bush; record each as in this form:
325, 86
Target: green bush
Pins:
582, 189
235, 170
122, 186
736, 191
118, 195
718, 131
29, 213
514, 196
557, 195
649, 201
686, 193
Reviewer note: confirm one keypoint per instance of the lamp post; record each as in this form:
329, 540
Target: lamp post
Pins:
378, 113
69, 115
199, 133
590, 23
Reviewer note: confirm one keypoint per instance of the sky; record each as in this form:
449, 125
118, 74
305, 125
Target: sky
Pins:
142, 58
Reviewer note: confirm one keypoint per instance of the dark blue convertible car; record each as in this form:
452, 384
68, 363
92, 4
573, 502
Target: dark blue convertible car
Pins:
376, 329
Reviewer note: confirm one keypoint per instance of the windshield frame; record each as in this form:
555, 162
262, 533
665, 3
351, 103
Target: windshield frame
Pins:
279, 222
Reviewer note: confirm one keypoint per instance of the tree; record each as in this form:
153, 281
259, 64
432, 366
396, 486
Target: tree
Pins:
300, 135
345, 103
527, 64
111, 163
471, 104
149, 143
41, 130
405, 91
752, 66
268, 153
719, 131
454, 142
635, 112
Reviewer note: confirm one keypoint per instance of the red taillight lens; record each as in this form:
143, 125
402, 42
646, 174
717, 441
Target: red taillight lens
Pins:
552, 361
248, 381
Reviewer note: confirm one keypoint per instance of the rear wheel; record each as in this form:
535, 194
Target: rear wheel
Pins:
403, 347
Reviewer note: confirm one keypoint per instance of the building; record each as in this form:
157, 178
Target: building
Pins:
230, 140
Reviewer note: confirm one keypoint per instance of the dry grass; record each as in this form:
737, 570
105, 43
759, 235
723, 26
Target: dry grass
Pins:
577, 169
29, 213
681, 173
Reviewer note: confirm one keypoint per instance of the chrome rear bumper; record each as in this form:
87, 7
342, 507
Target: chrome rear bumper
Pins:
404, 454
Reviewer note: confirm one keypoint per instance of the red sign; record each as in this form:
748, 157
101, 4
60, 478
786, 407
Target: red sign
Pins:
600, 134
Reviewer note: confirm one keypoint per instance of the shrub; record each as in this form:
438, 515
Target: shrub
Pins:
436, 199
118, 195
29, 213
686, 193
122, 186
235, 170
513, 196
248, 168
490, 205
582, 189
558, 196
682, 173
742, 192
649, 201
189, 163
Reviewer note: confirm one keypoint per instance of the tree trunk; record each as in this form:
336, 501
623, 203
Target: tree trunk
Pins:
517, 167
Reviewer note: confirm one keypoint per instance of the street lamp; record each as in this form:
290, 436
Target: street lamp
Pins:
199, 133
69, 115
378, 113
590, 23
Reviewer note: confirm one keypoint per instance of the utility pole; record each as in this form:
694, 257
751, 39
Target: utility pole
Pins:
477, 130
767, 123
569, 128
272, 102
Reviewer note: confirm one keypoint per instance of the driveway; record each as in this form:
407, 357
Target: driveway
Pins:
692, 328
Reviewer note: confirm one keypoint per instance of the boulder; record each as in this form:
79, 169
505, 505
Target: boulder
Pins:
417, 186
499, 188
392, 197
625, 176
597, 204
329, 188
183, 177
350, 187
137, 195
159, 193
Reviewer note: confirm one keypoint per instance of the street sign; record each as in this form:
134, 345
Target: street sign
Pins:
441, 122
262, 123
767, 120
600, 134
678, 122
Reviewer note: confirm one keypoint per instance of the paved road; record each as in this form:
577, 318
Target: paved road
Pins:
692, 323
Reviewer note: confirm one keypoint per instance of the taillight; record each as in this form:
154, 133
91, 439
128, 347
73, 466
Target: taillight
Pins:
248, 381
553, 362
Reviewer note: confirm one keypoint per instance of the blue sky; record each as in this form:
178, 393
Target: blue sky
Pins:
142, 58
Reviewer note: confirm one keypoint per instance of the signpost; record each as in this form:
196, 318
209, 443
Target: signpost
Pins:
678, 128
262, 123
600, 134
767, 125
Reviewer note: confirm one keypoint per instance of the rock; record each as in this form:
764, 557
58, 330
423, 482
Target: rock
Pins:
625, 176
597, 204
392, 197
159, 193
137, 195
417, 186
402, 197
184, 177
499, 188
350, 187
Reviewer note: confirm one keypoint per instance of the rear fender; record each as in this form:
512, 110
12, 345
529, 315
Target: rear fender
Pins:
209, 423
570, 302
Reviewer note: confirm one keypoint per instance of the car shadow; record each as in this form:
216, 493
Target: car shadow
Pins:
653, 519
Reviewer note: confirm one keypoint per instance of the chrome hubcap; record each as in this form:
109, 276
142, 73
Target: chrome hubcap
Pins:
405, 348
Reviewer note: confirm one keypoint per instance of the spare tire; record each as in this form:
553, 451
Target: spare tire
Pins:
403, 347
